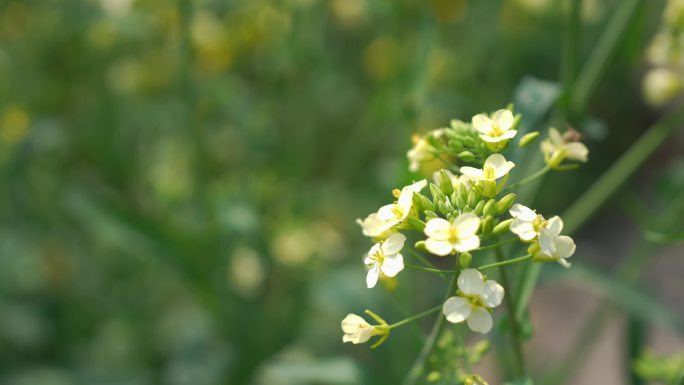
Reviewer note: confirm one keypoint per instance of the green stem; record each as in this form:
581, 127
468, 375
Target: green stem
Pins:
461, 341
601, 56
516, 339
418, 366
530, 178
621, 170
506, 262
494, 245
415, 317
426, 262
431, 270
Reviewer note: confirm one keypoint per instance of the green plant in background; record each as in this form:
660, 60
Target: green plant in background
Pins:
177, 179
466, 217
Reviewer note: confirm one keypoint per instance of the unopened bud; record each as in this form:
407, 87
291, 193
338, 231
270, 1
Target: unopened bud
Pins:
502, 227
528, 138
489, 207
445, 182
464, 260
486, 224
466, 156
505, 203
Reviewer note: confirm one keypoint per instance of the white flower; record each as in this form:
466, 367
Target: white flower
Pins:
375, 227
458, 235
455, 179
495, 167
380, 225
397, 212
526, 223
421, 152
385, 257
554, 247
555, 149
357, 330
496, 129
473, 303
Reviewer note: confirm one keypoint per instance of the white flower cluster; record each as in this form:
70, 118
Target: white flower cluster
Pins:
665, 79
466, 211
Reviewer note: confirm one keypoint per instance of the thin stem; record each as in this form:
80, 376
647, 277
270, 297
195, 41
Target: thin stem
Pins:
494, 245
515, 328
506, 262
601, 56
415, 317
431, 270
426, 262
418, 366
461, 341
530, 178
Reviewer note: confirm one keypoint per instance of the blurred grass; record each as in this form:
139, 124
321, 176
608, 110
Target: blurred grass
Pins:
179, 180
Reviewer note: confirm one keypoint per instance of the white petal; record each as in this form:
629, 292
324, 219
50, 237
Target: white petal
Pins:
393, 244
438, 247
564, 263
493, 294
555, 137
525, 230
495, 161
467, 224
463, 245
470, 282
392, 265
372, 277
472, 173
509, 134
565, 246
577, 151
500, 164
554, 226
504, 118
351, 322
482, 123
386, 212
547, 243
456, 309
480, 320
437, 228
522, 212
503, 170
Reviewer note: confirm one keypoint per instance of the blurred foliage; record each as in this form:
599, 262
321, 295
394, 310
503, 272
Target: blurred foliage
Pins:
179, 179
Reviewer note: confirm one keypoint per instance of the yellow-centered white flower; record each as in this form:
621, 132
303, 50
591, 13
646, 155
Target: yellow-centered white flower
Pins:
498, 128
397, 212
526, 223
556, 149
495, 167
474, 300
554, 247
385, 257
460, 235
380, 225
357, 330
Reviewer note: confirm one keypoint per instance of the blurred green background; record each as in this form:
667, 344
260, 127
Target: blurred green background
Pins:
179, 180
